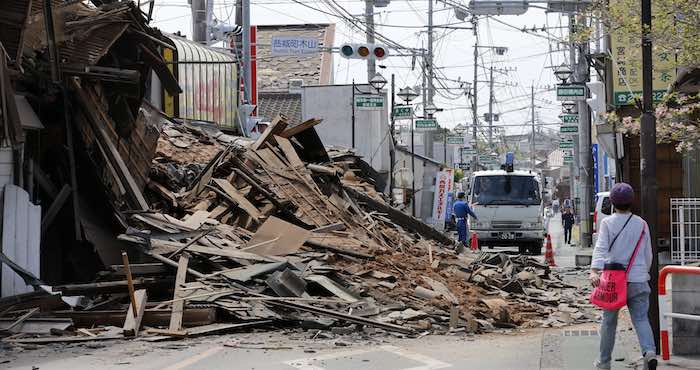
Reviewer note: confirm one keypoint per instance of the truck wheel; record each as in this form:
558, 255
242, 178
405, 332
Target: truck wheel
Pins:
536, 249
522, 248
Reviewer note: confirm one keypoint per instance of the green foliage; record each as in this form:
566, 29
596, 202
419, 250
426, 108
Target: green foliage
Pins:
675, 27
459, 175
677, 121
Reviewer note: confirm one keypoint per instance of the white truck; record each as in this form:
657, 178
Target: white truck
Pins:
510, 209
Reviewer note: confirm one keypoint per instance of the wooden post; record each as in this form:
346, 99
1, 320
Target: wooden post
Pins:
179, 305
130, 282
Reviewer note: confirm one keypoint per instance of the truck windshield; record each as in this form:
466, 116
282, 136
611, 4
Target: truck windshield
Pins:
506, 190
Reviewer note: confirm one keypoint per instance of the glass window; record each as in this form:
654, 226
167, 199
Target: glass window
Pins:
506, 190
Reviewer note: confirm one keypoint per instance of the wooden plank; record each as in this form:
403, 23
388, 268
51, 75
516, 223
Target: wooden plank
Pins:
276, 126
132, 324
164, 246
130, 283
113, 157
179, 306
300, 127
284, 238
240, 200
197, 219
289, 152
50, 340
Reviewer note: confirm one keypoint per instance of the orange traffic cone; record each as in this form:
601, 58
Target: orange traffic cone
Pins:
549, 253
474, 242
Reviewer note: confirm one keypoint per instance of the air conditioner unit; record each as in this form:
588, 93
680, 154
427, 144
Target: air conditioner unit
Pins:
295, 85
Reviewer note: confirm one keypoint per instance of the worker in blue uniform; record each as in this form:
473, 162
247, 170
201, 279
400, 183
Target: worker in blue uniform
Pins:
462, 210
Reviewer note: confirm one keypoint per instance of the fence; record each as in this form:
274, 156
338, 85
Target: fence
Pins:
685, 230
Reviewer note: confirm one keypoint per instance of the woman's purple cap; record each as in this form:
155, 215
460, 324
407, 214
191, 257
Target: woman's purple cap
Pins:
622, 193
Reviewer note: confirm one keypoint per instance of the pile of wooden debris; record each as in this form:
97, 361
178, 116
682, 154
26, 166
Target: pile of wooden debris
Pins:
271, 233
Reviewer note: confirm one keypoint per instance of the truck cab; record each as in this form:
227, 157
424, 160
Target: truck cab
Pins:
510, 209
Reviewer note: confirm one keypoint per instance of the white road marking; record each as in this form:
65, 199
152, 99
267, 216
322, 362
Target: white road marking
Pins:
194, 359
428, 363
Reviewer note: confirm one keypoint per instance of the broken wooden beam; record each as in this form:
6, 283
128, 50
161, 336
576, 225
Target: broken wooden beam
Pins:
179, 305
134, 316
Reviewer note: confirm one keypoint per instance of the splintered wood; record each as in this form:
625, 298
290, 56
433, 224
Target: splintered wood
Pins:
261, 235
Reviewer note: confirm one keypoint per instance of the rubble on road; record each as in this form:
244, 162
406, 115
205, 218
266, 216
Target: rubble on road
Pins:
256, 237
177, 229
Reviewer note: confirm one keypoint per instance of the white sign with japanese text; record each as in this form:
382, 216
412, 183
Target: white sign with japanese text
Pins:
291, 45
443, 185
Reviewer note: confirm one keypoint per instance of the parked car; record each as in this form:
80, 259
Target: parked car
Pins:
603, 209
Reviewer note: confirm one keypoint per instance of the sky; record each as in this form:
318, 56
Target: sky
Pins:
526, 63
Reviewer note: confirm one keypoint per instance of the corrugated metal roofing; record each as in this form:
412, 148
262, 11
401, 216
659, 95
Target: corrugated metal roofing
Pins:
21, 235
210, 90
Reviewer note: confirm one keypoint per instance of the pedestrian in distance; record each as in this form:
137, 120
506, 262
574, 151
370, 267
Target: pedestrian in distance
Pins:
622, 237
555, 206
462, 210
567, 220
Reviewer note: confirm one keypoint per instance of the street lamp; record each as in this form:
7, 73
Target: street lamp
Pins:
378, 82
407, 94
568, 106
430, 109
563, 72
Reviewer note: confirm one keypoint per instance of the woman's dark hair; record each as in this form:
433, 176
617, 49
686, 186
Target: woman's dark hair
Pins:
623, 207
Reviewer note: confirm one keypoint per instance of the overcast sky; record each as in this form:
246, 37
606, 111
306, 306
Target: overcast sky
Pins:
528, 53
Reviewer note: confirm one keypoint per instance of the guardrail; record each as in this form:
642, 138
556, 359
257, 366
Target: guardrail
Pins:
663, 303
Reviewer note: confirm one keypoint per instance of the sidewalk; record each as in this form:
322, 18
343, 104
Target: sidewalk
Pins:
578, 346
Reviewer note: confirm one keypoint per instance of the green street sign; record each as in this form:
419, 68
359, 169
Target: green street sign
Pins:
369, 102
568, 129
568, 159
569, 118
454, 139
402, 111
484, 158
426, 124
468, 151
566, 144
571, 92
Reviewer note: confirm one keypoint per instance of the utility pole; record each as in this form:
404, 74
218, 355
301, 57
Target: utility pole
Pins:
533, 156
199, 21
428, 135
573, 169
581, 76
475, 114
209, 19
392, 148
247, 76
490, 107
648, 163
369, 20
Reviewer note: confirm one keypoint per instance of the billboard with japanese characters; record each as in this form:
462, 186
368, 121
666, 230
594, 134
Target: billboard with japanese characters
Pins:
626, 53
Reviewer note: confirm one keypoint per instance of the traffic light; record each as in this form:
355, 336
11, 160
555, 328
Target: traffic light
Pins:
364, 51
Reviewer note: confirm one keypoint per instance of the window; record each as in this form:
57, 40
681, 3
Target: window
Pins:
506, 190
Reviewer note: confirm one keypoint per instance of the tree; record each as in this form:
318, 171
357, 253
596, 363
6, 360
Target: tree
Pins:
675, 30
675, 26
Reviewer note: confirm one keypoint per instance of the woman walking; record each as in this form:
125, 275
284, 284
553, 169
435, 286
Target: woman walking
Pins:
618, 237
